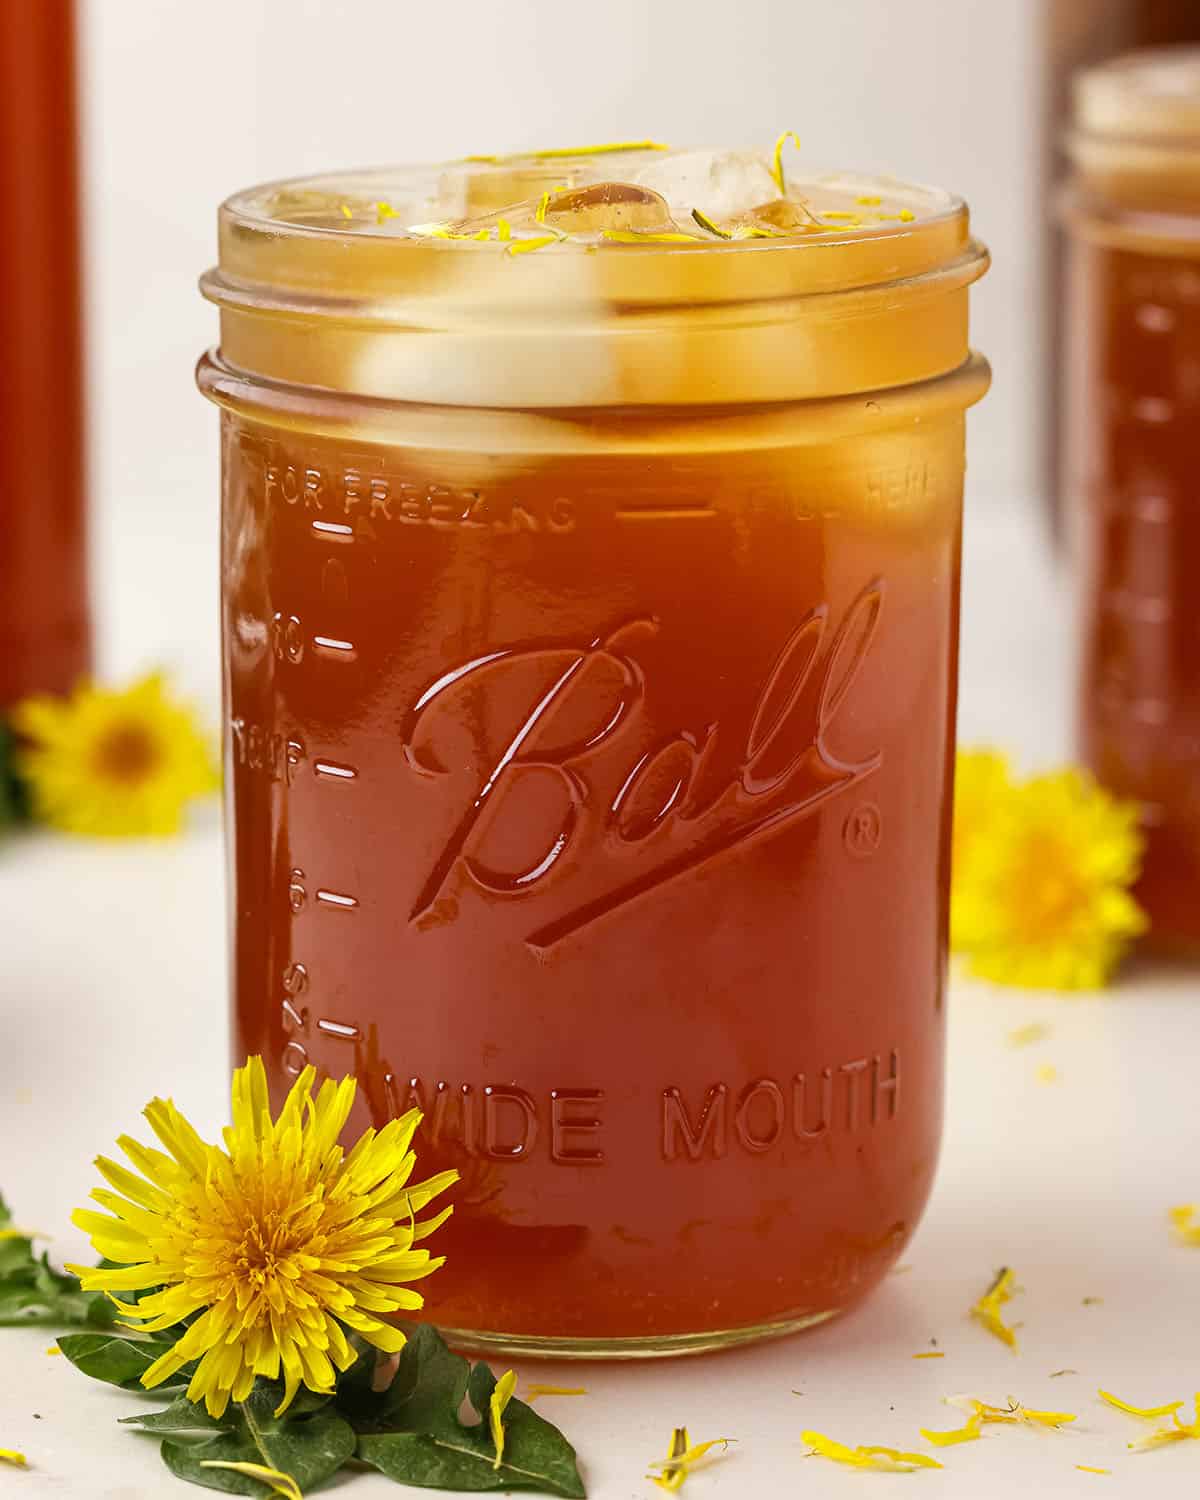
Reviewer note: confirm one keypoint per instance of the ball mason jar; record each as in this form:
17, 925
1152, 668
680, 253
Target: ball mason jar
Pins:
1131, 409
590, 620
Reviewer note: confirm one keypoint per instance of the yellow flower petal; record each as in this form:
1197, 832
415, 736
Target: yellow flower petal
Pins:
604, 150
1025, 1036
678, 1445
964, 1434
535, 1390
523, 247
987, 1309
640, 237
872, 1457
777, 163
690, 1454
1163, 1435
1167, 1410
11, 1456
682, 1457
1045, 1418
982, 1413
500, 1397
1089, 1469
281, 1483
1178, 1432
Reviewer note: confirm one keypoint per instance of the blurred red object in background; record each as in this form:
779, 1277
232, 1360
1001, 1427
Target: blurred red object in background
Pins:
44, 630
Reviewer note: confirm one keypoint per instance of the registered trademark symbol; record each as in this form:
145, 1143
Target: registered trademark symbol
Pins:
863, 829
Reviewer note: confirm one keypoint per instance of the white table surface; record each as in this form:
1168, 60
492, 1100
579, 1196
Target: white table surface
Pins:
112, 989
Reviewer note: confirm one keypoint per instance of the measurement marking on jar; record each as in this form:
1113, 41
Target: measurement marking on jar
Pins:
1139, 609
333, 529
664, 512
339, 1029
345, 650
296, 1017
1149, 710
1155, 318
1152, 510
337, 899
1154, 410
332, 771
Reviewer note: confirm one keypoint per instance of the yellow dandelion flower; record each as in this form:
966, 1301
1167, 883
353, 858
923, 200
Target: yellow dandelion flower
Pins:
1044, 899
1187, 1230
113, 763
982, 784
274, 1246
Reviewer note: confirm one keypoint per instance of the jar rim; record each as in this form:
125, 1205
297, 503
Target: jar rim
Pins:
1151, 95
408, 315
359, 237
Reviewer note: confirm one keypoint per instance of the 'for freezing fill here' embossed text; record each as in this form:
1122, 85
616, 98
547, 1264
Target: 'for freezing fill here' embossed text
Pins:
695, 803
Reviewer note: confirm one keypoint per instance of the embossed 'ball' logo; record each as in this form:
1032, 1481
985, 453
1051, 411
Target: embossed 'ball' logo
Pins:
578, 719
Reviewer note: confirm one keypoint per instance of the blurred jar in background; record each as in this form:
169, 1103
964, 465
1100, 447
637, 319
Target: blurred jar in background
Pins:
1077, 34
1132, 453
44, 638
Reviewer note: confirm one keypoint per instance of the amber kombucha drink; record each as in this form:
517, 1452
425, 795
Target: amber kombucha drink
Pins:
1132, 383
44, 626
591, 591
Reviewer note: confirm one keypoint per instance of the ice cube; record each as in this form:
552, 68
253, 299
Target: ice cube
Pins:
787, 214
720, 184
607, 205
470, 190
513, 219
777, 216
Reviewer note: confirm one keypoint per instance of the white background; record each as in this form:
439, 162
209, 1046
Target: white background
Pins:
186, 102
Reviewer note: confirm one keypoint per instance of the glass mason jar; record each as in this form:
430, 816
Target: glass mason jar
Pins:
45, 638
1132, 405
590, 622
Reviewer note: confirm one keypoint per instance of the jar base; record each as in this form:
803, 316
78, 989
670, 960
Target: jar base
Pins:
655, 1346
